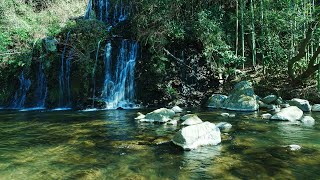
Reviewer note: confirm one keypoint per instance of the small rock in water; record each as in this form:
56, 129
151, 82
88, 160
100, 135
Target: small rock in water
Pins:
161, 115
316, 108
140, 116
291, 113
308, 121
172, 122
177, 109
294, 147
224, 126
266, 116
301, 103
191, 119
228, 115
269, 99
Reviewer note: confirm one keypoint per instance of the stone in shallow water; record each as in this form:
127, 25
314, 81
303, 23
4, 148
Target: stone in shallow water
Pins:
308, 121
242, 98
140, 116
269, 99
216, 100
177, 109
266, 116
161, 115
301, 103
191, 120
294, 147
228, 115
191, 137
224, 126
316, 108
291, 113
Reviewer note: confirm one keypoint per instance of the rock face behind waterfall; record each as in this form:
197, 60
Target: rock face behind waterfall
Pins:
191, 137
242, 98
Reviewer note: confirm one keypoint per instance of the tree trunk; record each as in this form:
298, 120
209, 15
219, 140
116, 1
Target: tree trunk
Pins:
253, 35
242, 28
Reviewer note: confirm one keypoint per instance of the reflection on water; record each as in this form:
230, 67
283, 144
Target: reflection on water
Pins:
112, 145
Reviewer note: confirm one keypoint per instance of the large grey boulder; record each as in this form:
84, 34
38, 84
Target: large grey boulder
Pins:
216, 100
190, 119
269, 99
303, 104
316, 108
191, 137
161, 115
291, 113
242, 98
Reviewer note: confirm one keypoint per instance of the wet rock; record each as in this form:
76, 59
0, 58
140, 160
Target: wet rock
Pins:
263, 105
224, 126
294, 147
242, 98
228, 115
216, 100
266, 116
316, 108
161, 140
177, 109
140, 116
308, 121
291, 113
280, 101
301, 103
161, 115
191, 137
269, 99
172, 122
284, 105
190, 119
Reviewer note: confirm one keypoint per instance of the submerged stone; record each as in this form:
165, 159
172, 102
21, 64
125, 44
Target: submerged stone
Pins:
301, 103
242, 98
294, 147
140, 116
191, 137
266, 116
228, 115
291, 113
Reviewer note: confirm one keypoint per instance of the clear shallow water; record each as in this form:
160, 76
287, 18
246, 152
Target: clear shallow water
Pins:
112, 145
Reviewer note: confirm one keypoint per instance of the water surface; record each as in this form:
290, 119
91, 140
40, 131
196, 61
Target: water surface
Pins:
112, 145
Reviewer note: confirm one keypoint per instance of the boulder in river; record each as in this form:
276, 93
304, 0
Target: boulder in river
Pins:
177, 109
303, 104
190, 119
191, 137
161, 115
291, 113
316, 108
269, 99
224, 126
216, 100
242, 98
308, 121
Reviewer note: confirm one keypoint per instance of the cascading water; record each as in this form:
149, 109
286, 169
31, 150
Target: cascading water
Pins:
64, 77
105, 13
42, 90
94, 74
118, 90
119, 80
21, 93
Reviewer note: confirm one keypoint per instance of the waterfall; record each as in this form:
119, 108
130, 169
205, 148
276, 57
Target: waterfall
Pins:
21, 93
64, 77
119, 79
94, 74
42, 90
105, 13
